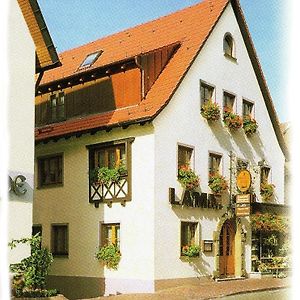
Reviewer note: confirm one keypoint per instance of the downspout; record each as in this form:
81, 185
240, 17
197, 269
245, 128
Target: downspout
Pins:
143, 75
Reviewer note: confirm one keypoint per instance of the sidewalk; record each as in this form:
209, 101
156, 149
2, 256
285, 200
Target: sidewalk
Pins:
207, 290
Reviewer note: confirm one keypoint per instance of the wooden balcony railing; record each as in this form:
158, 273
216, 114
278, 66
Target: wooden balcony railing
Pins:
110, 193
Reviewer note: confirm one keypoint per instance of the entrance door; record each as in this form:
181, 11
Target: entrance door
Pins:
227, 249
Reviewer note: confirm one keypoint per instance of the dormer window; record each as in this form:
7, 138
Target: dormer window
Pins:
228, 46
90, 59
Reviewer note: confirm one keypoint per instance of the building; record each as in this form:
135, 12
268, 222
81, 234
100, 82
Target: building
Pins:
135, 98
31, 52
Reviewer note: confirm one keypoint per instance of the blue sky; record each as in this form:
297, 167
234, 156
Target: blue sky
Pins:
75, 22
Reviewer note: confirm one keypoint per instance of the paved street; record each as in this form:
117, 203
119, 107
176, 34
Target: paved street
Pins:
281, 294
215, 290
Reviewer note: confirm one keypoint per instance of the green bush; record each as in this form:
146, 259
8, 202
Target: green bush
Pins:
110, 255
30, 274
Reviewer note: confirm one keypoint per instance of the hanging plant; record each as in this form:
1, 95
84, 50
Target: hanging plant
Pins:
188, 178
210, 111
232, 120
267, 191
217, 183
269, 222
249, 124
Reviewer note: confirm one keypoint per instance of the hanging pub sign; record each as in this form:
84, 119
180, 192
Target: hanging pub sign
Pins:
243, 199
243, 180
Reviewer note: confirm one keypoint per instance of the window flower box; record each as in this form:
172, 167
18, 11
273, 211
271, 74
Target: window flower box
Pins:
210, 111
217, 183
190, 251
250, 125
232, 120
110, 255
188, 179
106, 175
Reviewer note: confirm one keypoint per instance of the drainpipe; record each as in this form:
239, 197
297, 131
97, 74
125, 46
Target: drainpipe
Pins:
230, 187
143, 75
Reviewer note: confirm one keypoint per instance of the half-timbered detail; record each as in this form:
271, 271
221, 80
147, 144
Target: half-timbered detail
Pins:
110, 156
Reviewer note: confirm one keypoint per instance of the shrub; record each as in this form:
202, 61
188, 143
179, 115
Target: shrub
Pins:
232, 120
249, 124
210, 111
110, 255
188, 178
190, 251
30, 274
217, 183
267, 191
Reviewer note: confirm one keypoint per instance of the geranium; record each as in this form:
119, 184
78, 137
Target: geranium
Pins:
188, 178
269, 222
190, 251
231, 120
217, 183
249, 124
210, 111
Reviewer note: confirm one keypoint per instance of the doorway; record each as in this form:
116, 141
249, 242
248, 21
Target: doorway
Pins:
226, 250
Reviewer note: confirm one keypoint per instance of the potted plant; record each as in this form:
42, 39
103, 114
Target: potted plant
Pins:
110, 255
105, 175
217, 183
188, 178
210, 111
232, 120
249, 124
190, 251
267, 191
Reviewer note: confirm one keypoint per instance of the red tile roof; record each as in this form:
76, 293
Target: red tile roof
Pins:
190, 27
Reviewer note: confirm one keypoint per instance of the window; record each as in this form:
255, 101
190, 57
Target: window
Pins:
37, 229
90, 59
247, 108
111, 156
206, 91
228, 101
59, 238
184, 156
57, 107
228, 45
189, 234
110, 234
264, 174
50, 170
215, 163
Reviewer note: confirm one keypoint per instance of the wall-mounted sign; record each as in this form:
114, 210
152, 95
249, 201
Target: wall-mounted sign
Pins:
17, 185
243, 180
243, 210
243, 199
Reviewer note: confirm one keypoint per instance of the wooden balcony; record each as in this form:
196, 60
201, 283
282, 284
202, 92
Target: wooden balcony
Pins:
110, 193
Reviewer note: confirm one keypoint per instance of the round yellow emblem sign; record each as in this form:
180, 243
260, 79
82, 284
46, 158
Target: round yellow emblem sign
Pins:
243, 180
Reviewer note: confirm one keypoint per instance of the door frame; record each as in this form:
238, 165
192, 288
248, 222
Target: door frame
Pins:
239, 246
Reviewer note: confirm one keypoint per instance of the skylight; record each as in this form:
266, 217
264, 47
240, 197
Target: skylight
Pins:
90, 59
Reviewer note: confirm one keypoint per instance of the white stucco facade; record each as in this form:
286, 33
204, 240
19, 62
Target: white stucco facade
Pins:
149, 226
21, 127
181, 123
